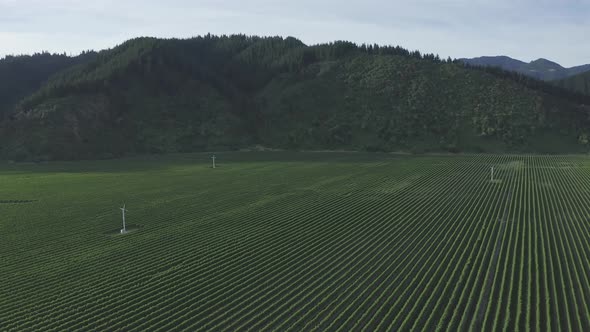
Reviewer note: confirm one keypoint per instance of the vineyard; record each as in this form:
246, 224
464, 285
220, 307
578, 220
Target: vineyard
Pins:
297, 242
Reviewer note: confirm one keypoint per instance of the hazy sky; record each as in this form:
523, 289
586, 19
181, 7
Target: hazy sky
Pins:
527, 29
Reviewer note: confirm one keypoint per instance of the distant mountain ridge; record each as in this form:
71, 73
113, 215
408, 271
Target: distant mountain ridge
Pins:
542, 69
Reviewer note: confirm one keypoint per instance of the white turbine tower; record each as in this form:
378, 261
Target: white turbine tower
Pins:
213, 158
123, 210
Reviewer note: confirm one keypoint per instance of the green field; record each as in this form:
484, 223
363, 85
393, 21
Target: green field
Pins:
297, 241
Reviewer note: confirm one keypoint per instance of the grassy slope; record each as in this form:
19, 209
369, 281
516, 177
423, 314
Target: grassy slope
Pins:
296, 240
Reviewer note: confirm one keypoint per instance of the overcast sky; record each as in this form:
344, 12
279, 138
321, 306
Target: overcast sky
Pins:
525, 29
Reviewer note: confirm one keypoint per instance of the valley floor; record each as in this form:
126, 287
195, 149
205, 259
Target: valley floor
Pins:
297, 241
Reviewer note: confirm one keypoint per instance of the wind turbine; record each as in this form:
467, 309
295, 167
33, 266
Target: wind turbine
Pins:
213, 157
123, 210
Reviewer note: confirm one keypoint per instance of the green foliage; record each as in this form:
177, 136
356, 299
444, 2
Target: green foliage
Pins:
579, 83
288, 241
225, 92
20, 76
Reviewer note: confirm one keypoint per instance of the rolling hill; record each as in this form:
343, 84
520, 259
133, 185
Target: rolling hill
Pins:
228, 92
542, 69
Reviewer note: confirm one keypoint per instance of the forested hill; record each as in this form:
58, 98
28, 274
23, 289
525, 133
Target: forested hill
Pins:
579, 83
22, 75
212, 93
